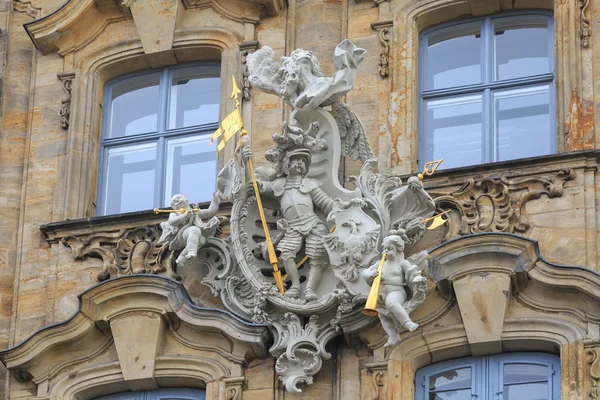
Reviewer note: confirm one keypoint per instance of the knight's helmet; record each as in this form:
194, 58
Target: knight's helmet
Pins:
301, 152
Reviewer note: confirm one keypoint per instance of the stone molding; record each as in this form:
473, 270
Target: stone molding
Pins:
77, 23
202, 346
497, 204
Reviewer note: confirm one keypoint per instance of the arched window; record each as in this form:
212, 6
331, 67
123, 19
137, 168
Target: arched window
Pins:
155, 132
161, 394
487, 90
515, 376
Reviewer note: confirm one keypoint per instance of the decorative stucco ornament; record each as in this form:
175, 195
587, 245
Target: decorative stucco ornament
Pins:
326, 235
402, 285
185, 229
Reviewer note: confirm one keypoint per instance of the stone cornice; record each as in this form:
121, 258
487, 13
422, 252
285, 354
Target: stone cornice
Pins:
77, 23
91, 330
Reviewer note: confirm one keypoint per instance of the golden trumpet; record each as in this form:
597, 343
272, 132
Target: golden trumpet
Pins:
181, 210
371, 304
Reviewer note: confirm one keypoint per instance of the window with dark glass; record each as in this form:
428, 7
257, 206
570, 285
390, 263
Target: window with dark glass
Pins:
155, 132
487, 90
518, 376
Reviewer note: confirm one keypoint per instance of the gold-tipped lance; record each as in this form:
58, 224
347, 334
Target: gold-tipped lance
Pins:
169, 210
371, 304
438, 220
429, 168
228, 128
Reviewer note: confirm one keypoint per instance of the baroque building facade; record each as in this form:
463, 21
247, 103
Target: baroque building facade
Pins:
107, 110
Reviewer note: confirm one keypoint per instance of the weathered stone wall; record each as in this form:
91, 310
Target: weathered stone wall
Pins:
48, 174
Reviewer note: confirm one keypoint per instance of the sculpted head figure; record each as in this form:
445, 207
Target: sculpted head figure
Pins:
393, 244
296, 163
179, 201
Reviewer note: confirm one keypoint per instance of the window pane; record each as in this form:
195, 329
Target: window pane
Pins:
130, 178
191, 168
521, 47
522, 123
527, 391
454, 57
450, 380
453, 131
194, 98
134, 106
519, 373
452, 395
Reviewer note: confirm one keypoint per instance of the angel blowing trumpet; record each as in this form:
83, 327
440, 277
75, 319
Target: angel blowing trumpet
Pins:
397, 274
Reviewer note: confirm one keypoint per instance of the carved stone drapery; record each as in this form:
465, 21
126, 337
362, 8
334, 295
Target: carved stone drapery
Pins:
496, 204
384, 28
246, 48
65, 108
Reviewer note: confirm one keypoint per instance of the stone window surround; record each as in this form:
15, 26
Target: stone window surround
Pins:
72, 32
573, 68
84, 151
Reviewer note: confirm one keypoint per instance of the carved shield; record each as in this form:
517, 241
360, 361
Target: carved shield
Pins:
353, 244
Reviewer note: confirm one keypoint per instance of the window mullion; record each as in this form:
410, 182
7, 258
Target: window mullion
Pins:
163, 100
159, 196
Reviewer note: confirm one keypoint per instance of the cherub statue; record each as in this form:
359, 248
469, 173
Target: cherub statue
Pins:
398, 274
186, 230
302, 228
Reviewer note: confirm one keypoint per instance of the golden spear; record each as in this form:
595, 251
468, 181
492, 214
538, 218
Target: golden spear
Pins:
237, 126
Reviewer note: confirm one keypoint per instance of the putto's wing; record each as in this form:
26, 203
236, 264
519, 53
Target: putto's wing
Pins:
352, 133
264, 71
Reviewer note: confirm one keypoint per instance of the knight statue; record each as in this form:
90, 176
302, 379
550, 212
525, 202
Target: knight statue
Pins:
298, 196
301, 241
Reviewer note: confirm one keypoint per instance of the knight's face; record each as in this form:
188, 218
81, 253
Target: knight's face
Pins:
298, 166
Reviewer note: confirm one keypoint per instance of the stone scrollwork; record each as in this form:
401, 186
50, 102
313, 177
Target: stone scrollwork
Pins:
593, 362
585, 23
65, 108
315, 223
246, 48
377, 371
496, 204
384, 29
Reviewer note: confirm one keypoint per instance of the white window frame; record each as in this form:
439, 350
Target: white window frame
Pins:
488, 86
160, 136
487, 381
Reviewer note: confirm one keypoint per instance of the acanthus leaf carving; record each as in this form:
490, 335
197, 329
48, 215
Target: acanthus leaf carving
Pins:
496, 204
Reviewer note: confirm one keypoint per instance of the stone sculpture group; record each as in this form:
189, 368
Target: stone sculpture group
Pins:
329, 239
